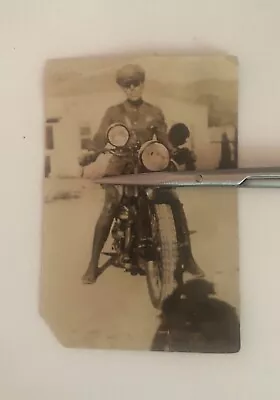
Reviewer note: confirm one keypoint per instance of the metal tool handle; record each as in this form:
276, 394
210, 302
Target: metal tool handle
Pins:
244, 177
235, 178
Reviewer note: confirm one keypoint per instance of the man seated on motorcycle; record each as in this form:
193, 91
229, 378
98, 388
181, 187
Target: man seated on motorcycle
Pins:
139, 117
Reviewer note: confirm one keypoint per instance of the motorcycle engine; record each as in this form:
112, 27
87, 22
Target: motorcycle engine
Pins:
117, 231
123, 213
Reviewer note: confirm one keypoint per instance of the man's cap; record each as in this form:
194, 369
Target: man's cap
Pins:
130, 73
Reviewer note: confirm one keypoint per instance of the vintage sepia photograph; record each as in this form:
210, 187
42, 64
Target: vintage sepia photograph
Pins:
132, 267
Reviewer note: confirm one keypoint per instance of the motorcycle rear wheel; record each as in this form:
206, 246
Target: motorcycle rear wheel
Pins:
161, 280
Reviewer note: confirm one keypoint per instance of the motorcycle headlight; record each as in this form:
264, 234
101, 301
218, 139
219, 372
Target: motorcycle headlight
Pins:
154, 156
118, 135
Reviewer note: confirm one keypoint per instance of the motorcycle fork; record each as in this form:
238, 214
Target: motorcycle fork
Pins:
144, 232
130, 193
129, 222
135, 188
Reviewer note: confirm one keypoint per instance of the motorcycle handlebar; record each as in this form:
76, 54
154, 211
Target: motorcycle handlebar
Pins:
122, 151
92, 156
119, 152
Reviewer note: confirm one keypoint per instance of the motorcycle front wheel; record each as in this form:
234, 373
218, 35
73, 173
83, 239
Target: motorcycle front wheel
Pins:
161, 272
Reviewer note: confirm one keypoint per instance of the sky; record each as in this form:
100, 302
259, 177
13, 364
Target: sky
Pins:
170, 69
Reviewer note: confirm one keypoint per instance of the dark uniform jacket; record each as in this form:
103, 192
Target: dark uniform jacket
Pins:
138, 118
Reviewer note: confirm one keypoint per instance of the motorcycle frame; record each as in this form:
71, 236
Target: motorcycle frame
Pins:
146, 210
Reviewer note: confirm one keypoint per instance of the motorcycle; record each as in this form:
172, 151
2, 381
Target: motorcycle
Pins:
149, 231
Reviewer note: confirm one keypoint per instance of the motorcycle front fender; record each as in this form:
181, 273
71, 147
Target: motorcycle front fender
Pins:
169, 196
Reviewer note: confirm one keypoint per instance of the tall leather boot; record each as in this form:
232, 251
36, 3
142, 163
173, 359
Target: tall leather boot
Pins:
102, 230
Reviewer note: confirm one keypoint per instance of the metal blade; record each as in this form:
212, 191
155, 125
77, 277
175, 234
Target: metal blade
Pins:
243, 177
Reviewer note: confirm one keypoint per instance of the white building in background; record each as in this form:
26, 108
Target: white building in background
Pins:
72, 121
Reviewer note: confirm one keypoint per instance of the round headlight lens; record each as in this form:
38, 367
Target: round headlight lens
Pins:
154, 156
118, 135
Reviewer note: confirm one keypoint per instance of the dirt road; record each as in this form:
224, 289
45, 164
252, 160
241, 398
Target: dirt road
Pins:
116, 311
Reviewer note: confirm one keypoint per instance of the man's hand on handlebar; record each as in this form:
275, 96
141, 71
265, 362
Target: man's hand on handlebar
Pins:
88, 158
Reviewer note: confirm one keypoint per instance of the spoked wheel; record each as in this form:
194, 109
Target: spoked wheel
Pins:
161, 272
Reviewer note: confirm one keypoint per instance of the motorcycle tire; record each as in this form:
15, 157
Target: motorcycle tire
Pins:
168, 255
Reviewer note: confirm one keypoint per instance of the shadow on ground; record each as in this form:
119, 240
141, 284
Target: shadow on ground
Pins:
193, 320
